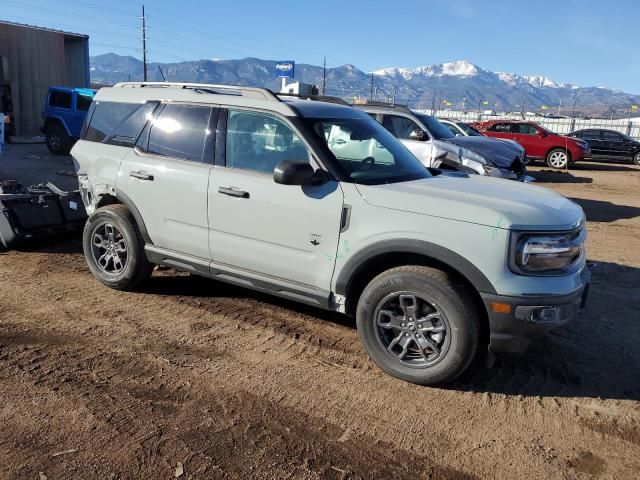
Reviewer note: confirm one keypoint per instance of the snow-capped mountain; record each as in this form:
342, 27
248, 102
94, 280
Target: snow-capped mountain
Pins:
456, 83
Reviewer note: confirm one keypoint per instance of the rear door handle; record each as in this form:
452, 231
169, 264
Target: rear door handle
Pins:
232, 192
141, 175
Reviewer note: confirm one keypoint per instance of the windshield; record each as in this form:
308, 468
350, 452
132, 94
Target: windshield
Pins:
436, 129
469, 130
366, 152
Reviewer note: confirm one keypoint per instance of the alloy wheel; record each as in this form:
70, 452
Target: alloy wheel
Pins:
558, 159
109, 249
412, 330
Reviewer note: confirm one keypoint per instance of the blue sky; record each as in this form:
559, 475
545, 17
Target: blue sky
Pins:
589, 43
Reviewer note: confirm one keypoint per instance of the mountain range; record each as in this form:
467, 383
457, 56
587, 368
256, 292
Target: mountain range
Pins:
455, 85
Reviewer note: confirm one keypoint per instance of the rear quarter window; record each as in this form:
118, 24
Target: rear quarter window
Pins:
500, 127
118, 123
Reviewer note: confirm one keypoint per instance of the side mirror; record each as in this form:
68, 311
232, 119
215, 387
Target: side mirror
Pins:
291, 172
419, 135
459, 135
542, 134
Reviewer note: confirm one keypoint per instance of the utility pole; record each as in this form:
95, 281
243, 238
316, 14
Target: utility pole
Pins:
144, 43
324, 75
371, 94
559, 107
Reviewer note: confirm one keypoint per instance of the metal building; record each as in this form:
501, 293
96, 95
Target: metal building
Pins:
32, 59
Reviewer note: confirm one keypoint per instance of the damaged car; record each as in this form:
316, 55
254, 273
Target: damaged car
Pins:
437, 147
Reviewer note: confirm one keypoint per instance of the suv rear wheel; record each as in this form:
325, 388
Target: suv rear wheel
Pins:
58, 142
418, 324
558, 158
114, 248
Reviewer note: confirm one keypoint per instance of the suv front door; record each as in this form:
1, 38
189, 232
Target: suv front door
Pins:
530, 138
401, 127
166, 176
260, 229
615, 145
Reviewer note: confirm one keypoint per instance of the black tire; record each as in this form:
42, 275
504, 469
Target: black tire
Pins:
58, 142
434, 290
636, 159
135, 268
553, 158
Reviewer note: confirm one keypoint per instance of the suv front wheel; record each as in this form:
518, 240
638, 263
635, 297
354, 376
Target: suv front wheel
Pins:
114, 248
418, 324
558, 158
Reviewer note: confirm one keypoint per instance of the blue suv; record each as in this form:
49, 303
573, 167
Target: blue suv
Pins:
64, 111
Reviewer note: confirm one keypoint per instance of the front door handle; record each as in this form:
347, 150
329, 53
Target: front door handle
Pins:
232, 192
141, 175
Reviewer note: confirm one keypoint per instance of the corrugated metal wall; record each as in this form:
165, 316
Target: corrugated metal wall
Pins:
38, 59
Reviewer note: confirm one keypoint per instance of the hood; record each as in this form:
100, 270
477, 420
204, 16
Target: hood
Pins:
478, 199
495, 152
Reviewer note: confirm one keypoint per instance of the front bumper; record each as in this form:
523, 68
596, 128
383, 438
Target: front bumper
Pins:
514, 321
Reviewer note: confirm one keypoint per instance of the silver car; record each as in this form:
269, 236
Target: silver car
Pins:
436, 146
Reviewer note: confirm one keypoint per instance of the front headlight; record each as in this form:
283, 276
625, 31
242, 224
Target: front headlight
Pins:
547, 254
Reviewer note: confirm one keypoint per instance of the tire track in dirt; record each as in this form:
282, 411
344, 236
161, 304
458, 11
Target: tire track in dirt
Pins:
265, 358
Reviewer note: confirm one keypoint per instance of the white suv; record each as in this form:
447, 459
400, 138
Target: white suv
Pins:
318, 203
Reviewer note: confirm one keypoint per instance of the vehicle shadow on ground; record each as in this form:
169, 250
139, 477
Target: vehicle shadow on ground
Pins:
556, 176
605, 166
597, 355
600, 211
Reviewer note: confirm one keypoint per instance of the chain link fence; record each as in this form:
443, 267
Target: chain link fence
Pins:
630, 127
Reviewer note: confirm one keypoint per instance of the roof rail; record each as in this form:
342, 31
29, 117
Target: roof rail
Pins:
251, 92
319, 98
373, 103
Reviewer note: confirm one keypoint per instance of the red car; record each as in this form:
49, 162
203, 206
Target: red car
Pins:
539, 143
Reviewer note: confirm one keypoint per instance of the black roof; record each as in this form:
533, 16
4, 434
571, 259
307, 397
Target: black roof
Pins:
321, 109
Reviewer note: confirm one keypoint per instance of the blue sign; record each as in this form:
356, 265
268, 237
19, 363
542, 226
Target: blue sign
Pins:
285, 69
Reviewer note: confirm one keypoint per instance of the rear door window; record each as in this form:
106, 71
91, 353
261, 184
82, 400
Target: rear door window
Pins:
59, 99
181, 131
118, 123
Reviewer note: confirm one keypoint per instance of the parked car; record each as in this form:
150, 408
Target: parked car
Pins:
318, 203
64, 112
539, 143
435, 146
609, 144
460, 129
463, 129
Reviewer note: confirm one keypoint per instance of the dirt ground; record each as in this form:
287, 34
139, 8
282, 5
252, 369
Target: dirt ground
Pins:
191, 378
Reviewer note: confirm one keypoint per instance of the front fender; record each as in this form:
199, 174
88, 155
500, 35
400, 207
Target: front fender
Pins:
455, 261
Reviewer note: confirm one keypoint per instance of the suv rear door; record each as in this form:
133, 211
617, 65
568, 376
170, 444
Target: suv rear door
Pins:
501, 130
166, 177
285, 233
